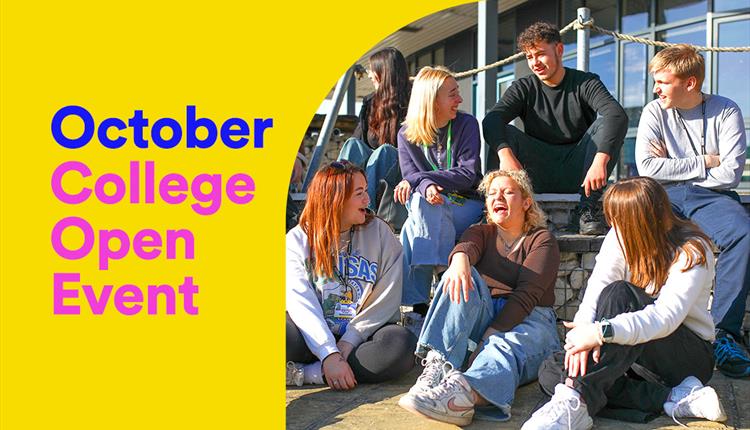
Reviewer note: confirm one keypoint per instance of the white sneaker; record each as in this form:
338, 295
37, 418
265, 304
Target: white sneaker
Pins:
435, 368
691, 399
295, 375
451, 401
565, 410
413, 322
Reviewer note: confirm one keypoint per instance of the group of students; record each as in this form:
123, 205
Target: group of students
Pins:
643, 340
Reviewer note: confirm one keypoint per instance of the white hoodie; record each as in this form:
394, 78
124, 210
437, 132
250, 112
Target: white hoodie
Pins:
683, 299
322, 307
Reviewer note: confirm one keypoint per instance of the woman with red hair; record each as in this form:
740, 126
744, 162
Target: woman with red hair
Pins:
343, 288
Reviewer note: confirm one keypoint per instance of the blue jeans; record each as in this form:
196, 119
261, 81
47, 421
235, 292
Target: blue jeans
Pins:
727, 223
379, 164
507, 359
428, 237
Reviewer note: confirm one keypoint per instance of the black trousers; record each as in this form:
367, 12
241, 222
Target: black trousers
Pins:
387, 355
557, 168
635, 377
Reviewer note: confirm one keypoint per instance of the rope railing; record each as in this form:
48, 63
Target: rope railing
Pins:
579, 24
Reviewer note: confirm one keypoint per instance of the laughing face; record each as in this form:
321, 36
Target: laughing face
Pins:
673, 91
506, 205
545, 61
355, 207
447, 101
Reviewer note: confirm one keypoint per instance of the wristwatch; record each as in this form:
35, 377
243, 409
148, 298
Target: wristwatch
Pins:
607, 331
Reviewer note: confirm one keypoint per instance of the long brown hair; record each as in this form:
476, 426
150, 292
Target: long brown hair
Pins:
649, 234
329, 189
391, 98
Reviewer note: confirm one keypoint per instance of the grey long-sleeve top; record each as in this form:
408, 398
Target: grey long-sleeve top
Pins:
725, 136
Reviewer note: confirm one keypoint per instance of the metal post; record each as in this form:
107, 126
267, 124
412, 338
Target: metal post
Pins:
351, 97
486, 54
328, 124
582, 53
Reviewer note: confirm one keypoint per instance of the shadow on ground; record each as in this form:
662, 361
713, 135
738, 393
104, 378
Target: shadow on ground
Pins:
375, 407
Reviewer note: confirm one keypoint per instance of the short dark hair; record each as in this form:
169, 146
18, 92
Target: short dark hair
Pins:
538, 32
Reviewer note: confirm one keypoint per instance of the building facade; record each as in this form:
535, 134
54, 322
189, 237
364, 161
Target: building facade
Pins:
621, 65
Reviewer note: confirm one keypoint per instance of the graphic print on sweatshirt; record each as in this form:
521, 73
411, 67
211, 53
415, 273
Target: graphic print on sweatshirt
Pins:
341, 301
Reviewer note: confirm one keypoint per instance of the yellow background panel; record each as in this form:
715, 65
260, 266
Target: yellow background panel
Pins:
224, 367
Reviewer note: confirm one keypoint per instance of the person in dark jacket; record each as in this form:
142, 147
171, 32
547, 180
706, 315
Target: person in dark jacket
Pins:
373, 143
565, 148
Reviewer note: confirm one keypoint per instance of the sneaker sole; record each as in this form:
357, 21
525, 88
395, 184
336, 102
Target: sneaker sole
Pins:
407, 403
734, 375
722, 415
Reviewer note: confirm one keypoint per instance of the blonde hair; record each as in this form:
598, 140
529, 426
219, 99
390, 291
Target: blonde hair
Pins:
682, 60
535, 216
421, 124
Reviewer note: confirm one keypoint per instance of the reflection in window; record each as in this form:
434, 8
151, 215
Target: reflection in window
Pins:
570, 62
734, 65
669, 11
633, 81
634, 15
727, 5
628, 167
694, 34
602, 62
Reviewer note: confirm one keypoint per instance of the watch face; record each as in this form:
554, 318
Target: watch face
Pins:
607, 332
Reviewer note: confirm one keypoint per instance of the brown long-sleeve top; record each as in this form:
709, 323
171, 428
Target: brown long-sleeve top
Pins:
525, 277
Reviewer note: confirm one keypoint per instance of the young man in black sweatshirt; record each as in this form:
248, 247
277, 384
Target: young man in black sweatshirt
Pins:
565, 148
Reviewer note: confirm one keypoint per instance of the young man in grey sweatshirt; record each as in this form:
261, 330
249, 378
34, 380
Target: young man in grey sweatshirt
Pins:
695, 145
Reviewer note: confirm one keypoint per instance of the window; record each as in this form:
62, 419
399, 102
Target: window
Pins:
440, 56
634, 15
634, 70
604, 13
669, 11
732, 65
727, 5
602, 62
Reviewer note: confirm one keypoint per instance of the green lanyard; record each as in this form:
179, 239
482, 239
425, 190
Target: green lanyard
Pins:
448, 149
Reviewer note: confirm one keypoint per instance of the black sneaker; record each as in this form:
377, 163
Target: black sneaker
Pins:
731, 358
591, 222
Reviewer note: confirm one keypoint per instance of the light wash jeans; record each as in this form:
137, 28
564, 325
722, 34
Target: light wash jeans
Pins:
379, 164
506, 360
428, 237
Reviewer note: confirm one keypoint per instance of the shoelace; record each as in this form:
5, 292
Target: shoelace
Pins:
687, 399
727, 350
565, 403
445, 386
433, 371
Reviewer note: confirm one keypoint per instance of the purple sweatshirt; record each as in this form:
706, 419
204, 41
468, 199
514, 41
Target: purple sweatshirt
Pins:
464, 173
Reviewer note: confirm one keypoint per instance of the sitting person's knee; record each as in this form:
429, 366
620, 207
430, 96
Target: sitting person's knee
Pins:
617, 290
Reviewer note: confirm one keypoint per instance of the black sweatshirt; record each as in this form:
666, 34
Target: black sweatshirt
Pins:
558, 115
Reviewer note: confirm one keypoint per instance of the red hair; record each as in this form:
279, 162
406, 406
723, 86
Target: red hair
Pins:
329, 189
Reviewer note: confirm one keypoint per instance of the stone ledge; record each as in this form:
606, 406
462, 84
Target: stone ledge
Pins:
578, 242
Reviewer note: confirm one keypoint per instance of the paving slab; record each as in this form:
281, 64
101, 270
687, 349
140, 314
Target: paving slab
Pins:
375, 407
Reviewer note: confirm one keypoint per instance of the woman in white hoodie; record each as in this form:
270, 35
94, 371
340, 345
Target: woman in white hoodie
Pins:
644, 311
343, 288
